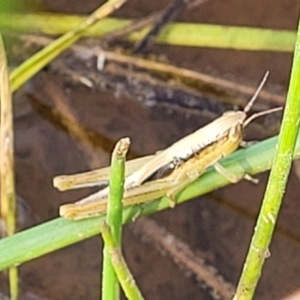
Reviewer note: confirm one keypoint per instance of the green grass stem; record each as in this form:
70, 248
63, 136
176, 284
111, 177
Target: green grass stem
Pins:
259, 247
126, 279
110, 284
177, 34
59, 233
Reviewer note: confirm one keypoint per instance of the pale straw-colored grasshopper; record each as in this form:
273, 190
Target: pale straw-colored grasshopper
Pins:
185, 160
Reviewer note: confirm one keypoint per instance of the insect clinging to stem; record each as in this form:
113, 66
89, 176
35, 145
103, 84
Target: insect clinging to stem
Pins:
185, 161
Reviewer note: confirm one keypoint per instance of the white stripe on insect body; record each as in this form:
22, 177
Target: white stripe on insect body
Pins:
186, 147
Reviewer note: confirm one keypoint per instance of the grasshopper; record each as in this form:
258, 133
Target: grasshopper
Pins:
186, 160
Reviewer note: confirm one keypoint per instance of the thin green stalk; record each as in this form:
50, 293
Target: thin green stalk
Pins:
59, 233
110, 284
259, 247
7, 181
126, 280
14, 283
179, 34
35, 63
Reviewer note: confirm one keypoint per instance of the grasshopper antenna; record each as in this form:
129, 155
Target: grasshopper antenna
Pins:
254, 97
266, 112
252, 100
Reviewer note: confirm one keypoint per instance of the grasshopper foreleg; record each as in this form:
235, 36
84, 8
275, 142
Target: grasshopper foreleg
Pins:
245, 144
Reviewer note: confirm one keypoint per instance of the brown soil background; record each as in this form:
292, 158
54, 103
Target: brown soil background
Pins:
221, 229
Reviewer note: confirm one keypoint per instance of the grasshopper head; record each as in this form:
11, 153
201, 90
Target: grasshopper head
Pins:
236, 117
